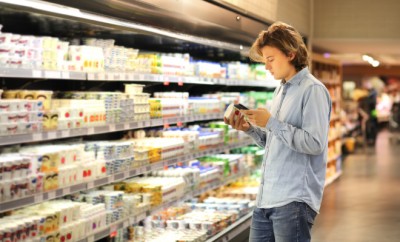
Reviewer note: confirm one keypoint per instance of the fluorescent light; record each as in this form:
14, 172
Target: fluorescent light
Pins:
64, 11
375, 63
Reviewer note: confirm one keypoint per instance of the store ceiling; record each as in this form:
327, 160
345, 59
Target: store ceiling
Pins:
350, 51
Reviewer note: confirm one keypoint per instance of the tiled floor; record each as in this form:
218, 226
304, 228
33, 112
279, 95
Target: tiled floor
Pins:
364, 204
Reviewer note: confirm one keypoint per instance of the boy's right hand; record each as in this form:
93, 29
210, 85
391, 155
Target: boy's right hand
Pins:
237, 121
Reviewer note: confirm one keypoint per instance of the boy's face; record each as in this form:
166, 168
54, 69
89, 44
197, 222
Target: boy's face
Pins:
277, 62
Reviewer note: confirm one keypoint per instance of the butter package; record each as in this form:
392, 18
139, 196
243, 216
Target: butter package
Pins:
50, 181
50, 120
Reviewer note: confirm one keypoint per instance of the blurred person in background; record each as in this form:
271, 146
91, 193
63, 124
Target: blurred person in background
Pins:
367, 106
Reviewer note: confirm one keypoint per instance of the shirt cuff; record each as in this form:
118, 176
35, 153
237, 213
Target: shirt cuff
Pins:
273, 124
250, 130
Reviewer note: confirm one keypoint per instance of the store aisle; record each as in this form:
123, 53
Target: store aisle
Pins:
364, 204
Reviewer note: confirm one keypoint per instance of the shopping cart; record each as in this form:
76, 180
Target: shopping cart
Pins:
394, 123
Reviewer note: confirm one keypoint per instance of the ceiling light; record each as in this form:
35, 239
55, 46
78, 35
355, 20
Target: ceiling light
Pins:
367, 58
375, 63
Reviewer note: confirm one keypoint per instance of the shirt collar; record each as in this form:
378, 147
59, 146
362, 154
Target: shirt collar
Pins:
296, 79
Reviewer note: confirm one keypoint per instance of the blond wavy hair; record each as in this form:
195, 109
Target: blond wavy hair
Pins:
285, 38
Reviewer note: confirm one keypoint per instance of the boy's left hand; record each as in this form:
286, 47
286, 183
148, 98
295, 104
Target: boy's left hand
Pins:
259, 116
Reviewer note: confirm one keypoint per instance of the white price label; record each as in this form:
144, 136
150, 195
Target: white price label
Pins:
141, 77
37, 136
111, 179
90, 131
52, 135
90, 238
65, 75
90, 185
66, 190
51, 195
37, 74
158, 166
110, 76
90, 76
113, 229
101, 76
126, 126
65, 133
130, 76
126, 174
112, 127
38, 198
52, 74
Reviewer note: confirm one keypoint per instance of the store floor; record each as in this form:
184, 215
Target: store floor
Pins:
364, 204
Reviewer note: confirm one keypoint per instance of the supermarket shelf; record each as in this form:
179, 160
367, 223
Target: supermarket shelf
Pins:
130, 77
45, 74
334, 158
145, 77
333, 178
335, 118
333, 139
41, 197
59, 134
124, 223
233, 230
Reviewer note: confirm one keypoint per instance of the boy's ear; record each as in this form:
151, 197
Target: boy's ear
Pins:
291, 56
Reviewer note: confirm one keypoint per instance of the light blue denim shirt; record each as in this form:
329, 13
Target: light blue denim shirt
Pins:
296, 143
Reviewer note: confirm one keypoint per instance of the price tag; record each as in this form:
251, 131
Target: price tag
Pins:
65, 133
141, 77
126, 126
117, 76
90, 238
66, 190
37, 74
110, 76
90, 130
130, 76
37, 136
52, 74
101, 76
134, 125
90, 185
111, 179
51, 135
126, 174
38, 198
90, 76
65, 75
51, 195
112, 127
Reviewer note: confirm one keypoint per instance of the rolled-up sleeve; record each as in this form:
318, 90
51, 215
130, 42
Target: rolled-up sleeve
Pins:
312, 137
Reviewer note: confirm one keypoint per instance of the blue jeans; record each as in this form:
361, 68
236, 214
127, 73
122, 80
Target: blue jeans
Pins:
289, 223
